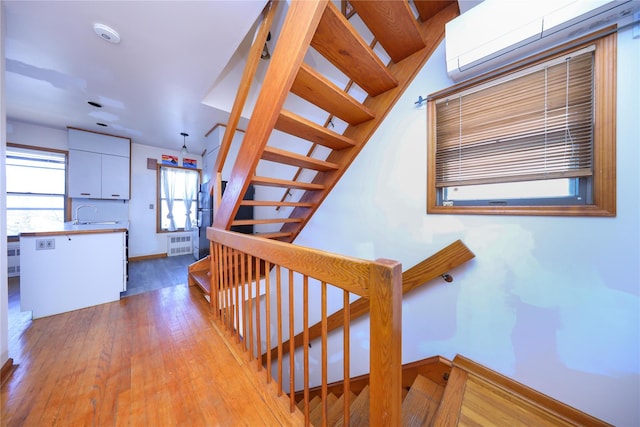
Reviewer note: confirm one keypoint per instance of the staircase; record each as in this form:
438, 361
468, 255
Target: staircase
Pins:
438, 392
295, 158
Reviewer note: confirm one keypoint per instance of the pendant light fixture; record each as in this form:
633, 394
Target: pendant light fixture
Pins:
184, 150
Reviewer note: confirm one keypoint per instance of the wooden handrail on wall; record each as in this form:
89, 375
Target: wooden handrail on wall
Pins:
436, 265
234, 298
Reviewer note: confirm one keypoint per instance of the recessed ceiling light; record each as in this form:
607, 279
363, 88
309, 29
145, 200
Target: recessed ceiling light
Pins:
107, 33
94, 104
101, 124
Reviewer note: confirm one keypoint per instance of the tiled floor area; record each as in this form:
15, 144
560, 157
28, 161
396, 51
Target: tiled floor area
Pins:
157, 273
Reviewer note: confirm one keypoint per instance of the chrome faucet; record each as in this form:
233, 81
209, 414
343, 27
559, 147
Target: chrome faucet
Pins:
95, 209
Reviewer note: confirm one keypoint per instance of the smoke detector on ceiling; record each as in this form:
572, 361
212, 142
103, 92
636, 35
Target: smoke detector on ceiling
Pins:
106, 33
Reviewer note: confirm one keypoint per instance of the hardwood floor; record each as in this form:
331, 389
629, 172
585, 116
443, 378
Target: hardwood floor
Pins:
149, 359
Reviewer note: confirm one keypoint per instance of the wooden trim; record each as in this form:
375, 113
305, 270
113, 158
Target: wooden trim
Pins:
100, 133
604, 167
529, 395
223, 125
147, 257
7, 370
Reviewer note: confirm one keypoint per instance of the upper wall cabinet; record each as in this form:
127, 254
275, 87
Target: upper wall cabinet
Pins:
99, 165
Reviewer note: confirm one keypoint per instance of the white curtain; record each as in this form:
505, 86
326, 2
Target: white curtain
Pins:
169, 183
190, 190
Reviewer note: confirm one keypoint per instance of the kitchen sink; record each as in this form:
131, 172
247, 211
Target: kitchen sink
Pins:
98, 222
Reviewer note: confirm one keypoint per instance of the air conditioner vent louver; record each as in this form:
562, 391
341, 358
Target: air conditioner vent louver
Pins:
496, 33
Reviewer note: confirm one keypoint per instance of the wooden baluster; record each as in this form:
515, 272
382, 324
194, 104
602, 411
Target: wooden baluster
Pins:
267, 328
250, 309
241, 306
215, 277
258, 334
292, 380
229, 271
236, 287
346, 345
325, 408
279, 326
305, 344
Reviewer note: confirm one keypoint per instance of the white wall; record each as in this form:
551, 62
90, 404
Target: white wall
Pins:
551, 302
143, 239
4, 290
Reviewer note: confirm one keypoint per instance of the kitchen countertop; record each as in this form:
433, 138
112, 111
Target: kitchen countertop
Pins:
88, 228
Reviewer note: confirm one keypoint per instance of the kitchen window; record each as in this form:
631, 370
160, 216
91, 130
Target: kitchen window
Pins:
36, 182
177, 198
537, 141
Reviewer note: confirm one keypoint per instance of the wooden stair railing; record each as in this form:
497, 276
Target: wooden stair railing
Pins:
317, 26
244, 305
436, 265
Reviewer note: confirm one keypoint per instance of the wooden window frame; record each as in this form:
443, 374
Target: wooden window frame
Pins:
604, 135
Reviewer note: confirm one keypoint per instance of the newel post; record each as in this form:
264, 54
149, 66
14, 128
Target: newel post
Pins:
385, 386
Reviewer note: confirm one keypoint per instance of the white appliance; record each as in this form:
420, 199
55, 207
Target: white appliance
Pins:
498, 32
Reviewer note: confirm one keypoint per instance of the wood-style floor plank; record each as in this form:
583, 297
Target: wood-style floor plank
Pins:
150, 359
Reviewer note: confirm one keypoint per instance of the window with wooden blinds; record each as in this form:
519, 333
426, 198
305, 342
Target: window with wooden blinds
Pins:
547, 123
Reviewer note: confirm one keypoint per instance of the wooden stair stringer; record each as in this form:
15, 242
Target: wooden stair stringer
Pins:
300, 23
198, 274
404, 71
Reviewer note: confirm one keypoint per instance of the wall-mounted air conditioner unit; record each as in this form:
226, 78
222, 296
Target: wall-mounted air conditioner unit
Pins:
498, 32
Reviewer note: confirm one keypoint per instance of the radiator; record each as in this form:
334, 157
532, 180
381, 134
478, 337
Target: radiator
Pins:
13, 255
179, 245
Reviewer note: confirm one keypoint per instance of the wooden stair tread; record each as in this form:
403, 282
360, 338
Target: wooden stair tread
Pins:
315, 416
336, 411
202, 278
276, 235
359, 412
296, 125
278, 155
320, 91
393, 25
428, 8
284, 183
265, 221
337, 41
274, 203
421, 403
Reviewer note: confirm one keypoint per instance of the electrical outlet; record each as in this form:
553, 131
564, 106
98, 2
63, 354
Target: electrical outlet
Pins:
44, 244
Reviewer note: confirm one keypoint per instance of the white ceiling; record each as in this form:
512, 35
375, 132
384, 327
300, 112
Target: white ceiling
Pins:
151, 85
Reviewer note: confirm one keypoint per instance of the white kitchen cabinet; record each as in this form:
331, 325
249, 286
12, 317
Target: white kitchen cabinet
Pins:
115, 177
85, 174
65, 272
99, 166
98, 176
